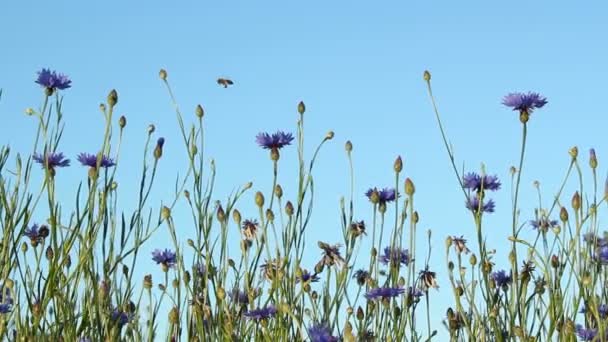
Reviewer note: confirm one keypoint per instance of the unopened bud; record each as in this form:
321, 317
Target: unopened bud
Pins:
259, 199
563, 214
410, 189
289, 208
165, 213
592, 159
112, 98
269, 215
162, 74
573, 152
427, 75
278, 191
301, 108
199, 111
329, 135
398, 165
576, 201
348, 146
236, 216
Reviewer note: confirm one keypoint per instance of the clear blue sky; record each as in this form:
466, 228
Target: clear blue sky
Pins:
358, 67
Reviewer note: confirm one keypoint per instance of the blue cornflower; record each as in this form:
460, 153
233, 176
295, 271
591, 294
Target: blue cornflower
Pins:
321, 333
384, 292
362, 276
274, 141
90, 160
501, 279
51, 160
543, 224
601, 255
602, 310
381, 196
52, 80
239, 296
306, 277
166, 258
5, 308
473, 205
121, 317
395, 256
36, 234
84, 339
585, 334
261, 313
473, 181
524, 102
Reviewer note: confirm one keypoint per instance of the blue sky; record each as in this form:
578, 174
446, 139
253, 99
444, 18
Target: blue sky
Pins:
357, 66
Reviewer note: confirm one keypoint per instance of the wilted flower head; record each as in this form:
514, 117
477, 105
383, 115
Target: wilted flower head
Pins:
383, 196
250, 228
52, 80
357, 228
90, 160
543, 224
473, 205
460, 244
320, 333
384, 292
331, 255
274, 141
272, 269
361, 276
501, 278
473, 181
51, 160
261, 313
524, 102
585, 334
306, 277
395, 256
428, 279
166, 258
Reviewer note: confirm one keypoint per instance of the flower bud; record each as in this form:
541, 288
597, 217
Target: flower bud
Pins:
410, 189
278, 191
269, 215
573, 152
151, 128
301, 108
398, 165
576, 201
158, 150
221, 215
199, 111
427, 75
162, 74
592, 159
49, 253
122, 122
174, 316
348, 146
360, 313
236, 216
259, 199
329, 135
415, 217
473, 260
563, 214
112, 98
165, 213
289, 208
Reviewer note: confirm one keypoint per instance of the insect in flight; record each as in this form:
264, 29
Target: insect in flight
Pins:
224, 82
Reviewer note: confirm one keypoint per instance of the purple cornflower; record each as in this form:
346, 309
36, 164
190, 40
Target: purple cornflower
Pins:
321, 333
524, 102
261, 313
381, 196
543, 224
594, 240
274, 141
361, 276
384, 292
121, 317
585, 334
601, 255
602, 310
473, 205
52, 80
90, 160
6, 301
51, 160
36, 234
239, 296
501, 279
395, 256
473, 181
5, 308
306, 277
166, 258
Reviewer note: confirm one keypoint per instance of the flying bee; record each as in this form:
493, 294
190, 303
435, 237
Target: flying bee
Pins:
224, 82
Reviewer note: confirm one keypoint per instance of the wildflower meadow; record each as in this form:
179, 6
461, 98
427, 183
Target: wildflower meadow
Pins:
238, 275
